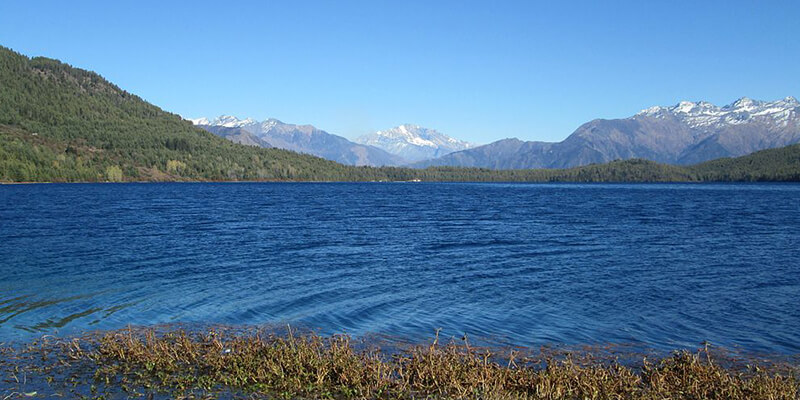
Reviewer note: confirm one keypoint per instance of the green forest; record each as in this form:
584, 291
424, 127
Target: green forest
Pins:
64, 124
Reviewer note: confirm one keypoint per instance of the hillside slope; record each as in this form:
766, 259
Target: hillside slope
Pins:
683, 134
64, 124
775, 165
59, 123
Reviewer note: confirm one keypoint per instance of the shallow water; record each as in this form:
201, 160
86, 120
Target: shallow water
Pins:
662, 266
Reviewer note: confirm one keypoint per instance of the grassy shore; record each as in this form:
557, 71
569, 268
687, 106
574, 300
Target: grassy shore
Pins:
225, 364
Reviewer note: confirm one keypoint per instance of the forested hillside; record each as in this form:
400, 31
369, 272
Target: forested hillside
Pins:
64, 124
59, 123
782, 164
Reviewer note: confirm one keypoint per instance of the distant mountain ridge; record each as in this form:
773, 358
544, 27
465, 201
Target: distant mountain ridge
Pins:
413, 142
686, 133
300, 138
64, 124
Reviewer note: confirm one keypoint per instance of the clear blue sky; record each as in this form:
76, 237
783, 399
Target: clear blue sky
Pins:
480, 71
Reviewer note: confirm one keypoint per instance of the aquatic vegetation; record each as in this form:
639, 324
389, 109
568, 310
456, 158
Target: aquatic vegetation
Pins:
222, 363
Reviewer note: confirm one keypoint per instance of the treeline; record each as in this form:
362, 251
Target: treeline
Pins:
64, 124
59, 123
777, 165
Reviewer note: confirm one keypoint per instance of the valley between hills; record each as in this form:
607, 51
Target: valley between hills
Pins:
59, 123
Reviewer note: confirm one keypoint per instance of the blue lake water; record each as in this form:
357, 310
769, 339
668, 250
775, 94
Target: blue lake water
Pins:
663, 266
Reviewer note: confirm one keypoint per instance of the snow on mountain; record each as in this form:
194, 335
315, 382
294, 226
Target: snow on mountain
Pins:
200, 121
227, 121
686, 133
299, 138
413, 142
704, 115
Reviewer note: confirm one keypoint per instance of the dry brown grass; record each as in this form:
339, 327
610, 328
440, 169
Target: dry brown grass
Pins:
173, 363
310, 366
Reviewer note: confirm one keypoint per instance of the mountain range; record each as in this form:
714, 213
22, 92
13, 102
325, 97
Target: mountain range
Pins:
59, 123
300, 138
397, 146
413, 142
683, 134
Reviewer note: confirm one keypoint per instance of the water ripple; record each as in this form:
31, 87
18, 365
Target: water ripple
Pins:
657, 265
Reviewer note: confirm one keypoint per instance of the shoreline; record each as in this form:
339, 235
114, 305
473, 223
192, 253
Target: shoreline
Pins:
413, 181
170, 362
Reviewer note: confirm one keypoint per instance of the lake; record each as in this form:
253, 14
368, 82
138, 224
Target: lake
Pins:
663, 266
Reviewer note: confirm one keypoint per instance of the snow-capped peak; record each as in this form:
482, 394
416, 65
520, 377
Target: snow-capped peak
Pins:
652, 111
268, 124
744, 104
684, 107
414, 142
704, 114
200, 121
228, 121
